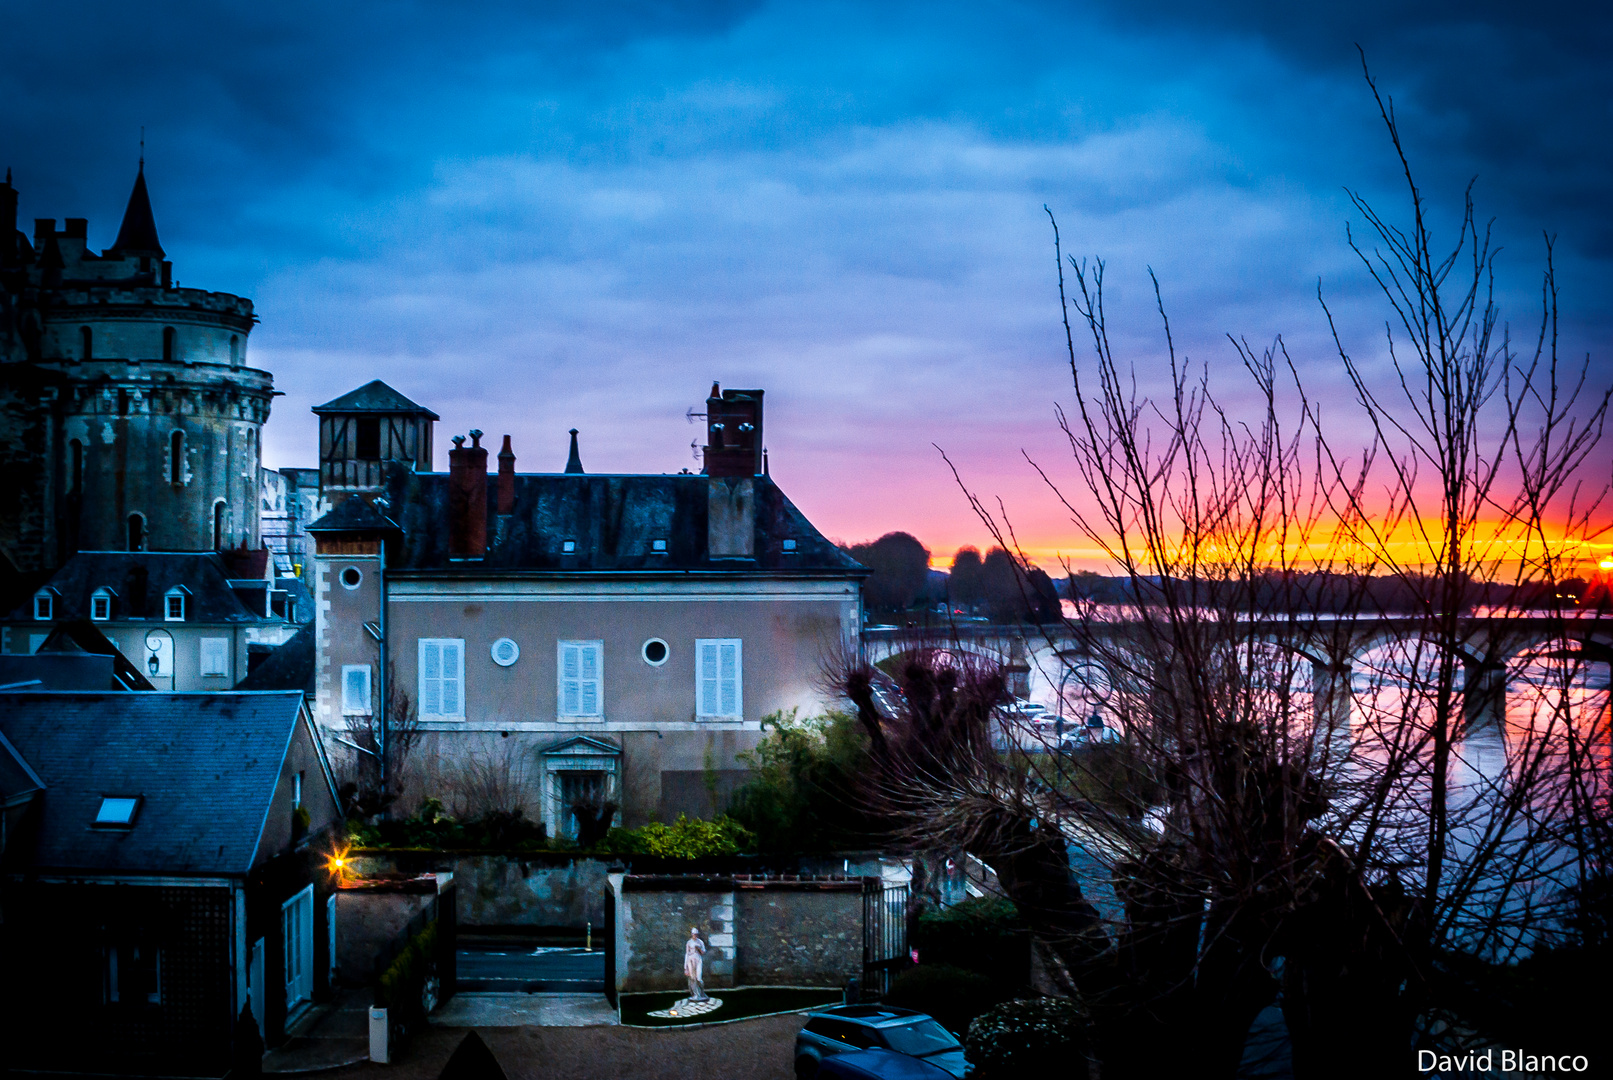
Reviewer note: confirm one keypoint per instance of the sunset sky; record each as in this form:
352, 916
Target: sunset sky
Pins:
532, 217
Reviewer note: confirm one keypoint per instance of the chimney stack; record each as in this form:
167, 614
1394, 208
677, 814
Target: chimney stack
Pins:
506, 479
733, 433
467, 498
574, 460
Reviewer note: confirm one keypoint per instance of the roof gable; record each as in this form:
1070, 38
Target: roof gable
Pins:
204, 765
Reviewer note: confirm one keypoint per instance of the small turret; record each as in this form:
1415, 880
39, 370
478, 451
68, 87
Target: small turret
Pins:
138, 233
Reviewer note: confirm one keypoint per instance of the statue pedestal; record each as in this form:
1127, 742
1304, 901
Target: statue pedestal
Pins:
687, 1007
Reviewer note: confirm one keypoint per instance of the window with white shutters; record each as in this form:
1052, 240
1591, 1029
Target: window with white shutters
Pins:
581, 689
719, 677
355, 689
442, 678
215, 656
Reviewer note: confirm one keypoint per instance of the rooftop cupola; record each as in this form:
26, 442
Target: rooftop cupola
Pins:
138, 233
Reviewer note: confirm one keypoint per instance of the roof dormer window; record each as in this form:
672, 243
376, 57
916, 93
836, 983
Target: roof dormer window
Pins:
117, 812
173, 604
45, 605
101, 604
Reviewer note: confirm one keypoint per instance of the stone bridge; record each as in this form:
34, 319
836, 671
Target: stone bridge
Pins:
1042, 660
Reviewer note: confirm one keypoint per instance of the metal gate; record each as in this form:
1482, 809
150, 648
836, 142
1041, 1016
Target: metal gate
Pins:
884, 936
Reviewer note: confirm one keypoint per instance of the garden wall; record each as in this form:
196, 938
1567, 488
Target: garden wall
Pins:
557, 890
758, 932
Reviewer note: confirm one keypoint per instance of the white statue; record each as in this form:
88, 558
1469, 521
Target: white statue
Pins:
693, 964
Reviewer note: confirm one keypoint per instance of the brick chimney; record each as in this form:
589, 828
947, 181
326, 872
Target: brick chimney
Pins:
467, 498
733, 432
506, 479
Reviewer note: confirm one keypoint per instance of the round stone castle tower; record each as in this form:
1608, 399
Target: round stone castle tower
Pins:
128, 415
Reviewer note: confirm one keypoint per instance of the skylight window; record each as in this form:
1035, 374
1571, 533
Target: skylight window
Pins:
658, 546
789, 545
568, 547
117, 811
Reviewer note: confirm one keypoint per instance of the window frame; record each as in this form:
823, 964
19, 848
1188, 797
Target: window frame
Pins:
180, 593
47, 597
423, 699
349, 707
584, 646
700, 679
103, 595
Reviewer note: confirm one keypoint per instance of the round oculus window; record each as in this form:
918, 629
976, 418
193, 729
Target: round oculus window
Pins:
506, 652
351, 577
655, 652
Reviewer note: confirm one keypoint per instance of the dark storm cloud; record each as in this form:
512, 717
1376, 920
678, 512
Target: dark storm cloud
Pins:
538, 216
1519, 94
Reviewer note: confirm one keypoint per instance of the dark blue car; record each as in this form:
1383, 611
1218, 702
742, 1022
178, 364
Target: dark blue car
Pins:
882, 1064
844, 1030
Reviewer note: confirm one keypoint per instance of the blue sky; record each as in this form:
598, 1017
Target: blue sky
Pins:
534, 217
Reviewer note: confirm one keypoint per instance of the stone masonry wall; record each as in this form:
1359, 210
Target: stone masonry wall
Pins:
802, 936
508, 891
761, 933
653, 926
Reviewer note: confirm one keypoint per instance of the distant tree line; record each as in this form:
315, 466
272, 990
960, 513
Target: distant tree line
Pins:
995, 587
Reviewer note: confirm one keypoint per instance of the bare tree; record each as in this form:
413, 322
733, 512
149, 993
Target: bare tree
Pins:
1286, 806
373, 766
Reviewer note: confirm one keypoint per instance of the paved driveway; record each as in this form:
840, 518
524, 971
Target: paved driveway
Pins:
760, 1049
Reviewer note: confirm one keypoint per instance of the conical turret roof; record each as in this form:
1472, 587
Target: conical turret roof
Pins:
138, 233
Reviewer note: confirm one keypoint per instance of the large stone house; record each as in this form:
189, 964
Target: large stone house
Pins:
597, 638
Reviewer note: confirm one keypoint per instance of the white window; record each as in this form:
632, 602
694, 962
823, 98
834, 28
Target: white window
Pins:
581, 692
215, 656
356, 689
44, 605
173, 604
442, 678
719, 677
101, 604
297, 938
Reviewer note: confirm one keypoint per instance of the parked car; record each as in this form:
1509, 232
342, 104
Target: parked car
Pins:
846, 1029
883, 1064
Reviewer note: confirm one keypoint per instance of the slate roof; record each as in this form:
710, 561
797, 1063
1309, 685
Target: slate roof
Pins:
59, 670
289, 667
140, 579
138, 233
205, 766
612, 519
17, 778
78, 636
374, 396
